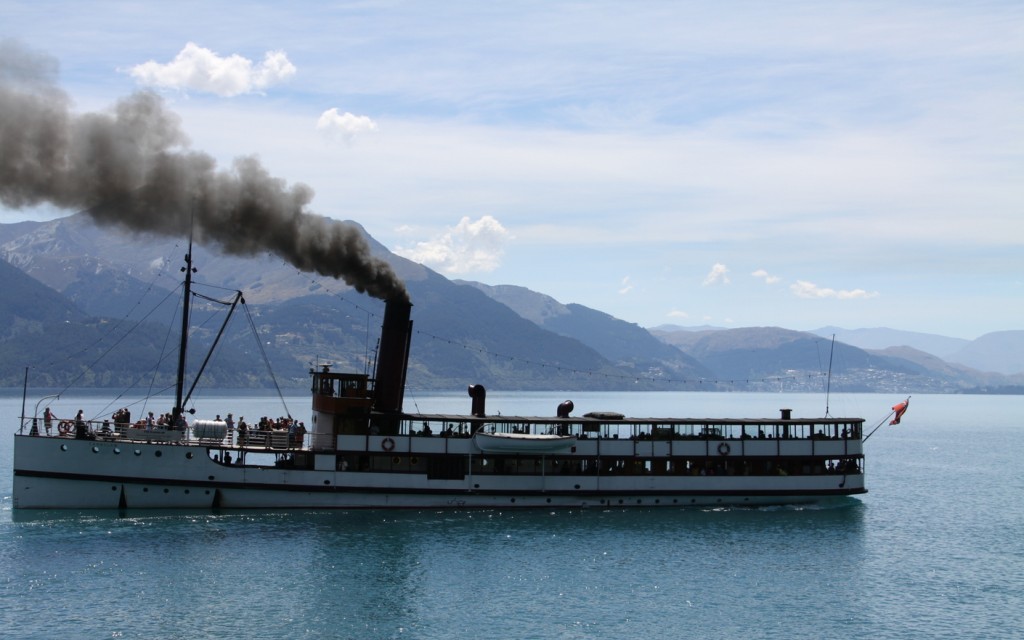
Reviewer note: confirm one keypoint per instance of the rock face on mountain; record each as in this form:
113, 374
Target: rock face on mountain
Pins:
74, 291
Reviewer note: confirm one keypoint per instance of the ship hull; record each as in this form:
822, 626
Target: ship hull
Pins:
62, 473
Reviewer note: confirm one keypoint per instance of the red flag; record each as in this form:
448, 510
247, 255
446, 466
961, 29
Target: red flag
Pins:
900, 409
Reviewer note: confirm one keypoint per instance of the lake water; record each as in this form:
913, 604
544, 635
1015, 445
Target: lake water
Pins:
935, 550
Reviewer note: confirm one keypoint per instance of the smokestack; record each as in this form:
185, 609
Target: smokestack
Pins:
393, 358
131, 167
479, 396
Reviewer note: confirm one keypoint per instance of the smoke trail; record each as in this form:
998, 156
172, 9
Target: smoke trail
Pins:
132, 168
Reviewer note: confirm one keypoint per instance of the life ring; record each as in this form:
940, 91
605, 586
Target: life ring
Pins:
723, 448
64, 427
387, 444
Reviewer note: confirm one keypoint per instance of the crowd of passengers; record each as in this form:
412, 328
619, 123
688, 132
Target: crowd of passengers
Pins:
121, 420
257, 433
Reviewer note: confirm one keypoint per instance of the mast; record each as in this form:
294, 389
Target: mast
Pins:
828, 384
179, 388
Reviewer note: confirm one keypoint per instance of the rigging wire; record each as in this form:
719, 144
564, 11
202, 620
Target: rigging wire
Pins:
266, 360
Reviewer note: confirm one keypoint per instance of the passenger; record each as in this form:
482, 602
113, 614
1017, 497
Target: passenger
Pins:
81, 428
230, 421
227, 456
47, 419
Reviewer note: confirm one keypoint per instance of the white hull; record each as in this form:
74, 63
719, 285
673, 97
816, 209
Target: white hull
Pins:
58, 473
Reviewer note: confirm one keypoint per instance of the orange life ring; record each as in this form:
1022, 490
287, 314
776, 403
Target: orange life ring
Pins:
387, 444
64, 427
723, 448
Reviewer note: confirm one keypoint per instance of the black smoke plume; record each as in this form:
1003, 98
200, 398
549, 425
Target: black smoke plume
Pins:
131, 167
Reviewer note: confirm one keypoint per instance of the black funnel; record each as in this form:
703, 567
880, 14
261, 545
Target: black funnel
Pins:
393, 357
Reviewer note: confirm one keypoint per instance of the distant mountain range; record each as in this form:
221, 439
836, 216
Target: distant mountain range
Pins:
97, 307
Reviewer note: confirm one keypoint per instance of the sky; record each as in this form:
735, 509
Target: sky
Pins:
734, 164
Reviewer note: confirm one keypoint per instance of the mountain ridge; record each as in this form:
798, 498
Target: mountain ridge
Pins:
464, 332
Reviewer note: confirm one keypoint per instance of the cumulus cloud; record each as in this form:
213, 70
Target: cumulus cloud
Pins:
804, 289
764, 275
197, 68
676, 313
719, 274
344, 126
467, 247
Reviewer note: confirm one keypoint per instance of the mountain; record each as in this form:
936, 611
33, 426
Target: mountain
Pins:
461, 336
73, 293
882, 338
618, 341
1000, 351
771, 358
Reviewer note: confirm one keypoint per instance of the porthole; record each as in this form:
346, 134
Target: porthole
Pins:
167, 490
117, 451
189, 455
158, 453
186, 492
145, 489
327, 482
113, 488
138, 452
63, 447
210, 477
577, 486
513, 500
95, 449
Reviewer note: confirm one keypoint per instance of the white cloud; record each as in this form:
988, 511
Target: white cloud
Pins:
768, 279
804, 289
344, 126
468, 247
676, 313
196, 68
719, 274
626, 287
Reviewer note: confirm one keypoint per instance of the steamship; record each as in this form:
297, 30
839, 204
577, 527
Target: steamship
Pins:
364, 451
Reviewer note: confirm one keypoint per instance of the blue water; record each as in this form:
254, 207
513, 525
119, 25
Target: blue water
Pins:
935, 550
